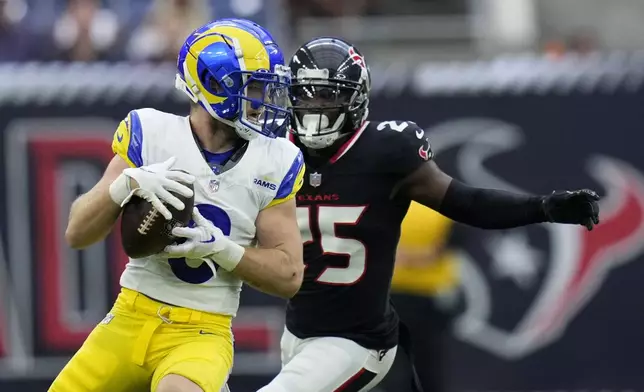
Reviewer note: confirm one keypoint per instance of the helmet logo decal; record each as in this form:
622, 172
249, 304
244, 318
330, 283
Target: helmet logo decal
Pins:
357, 58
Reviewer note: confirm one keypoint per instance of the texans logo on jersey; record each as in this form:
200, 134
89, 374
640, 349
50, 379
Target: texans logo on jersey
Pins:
552, 271
425, 151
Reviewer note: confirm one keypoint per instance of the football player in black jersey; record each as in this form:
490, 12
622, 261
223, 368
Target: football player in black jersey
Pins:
341, 330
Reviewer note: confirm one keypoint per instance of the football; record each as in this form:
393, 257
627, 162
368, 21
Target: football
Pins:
144, 231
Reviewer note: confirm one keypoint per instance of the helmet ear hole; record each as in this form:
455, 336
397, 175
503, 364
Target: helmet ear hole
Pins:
215, 87
211, 83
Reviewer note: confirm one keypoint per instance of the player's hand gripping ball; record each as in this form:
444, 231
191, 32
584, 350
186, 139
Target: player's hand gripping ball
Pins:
145, 230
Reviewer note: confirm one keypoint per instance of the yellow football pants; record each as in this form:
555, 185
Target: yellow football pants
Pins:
141, 340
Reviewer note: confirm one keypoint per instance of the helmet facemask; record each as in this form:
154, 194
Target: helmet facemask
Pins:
321, 106
262, 99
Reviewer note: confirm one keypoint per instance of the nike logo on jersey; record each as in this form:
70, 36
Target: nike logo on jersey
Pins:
420, 133
119, 137
202, 332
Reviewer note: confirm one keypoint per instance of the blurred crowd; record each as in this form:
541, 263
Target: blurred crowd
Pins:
136, 30
90, 30
153, 30
107, 30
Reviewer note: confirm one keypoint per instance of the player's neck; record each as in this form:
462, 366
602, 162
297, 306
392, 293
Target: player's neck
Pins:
214, 136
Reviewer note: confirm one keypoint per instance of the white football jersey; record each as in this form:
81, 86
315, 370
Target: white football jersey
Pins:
269, 172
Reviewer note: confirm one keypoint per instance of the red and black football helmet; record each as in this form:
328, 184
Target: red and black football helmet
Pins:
329, 91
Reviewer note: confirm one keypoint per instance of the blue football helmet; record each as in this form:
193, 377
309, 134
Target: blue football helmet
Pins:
238, 75
264, 35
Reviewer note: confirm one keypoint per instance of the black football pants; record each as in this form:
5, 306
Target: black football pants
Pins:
429, 326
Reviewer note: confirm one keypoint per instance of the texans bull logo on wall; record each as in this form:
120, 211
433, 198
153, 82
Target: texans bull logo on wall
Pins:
552, 270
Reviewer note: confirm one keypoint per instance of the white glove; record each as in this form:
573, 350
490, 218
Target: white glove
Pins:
155, 183
207, 242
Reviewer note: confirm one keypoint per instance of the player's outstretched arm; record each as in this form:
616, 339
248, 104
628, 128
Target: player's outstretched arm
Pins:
276, 267
93, 214
496, 209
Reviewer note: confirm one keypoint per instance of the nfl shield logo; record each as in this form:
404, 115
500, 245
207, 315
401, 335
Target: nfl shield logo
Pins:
214, 185
315, 179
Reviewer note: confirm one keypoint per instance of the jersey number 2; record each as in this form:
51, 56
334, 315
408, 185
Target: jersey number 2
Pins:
201, 273
393, 125
329, 217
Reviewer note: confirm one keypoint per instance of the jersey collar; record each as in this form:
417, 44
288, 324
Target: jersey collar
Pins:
349, 143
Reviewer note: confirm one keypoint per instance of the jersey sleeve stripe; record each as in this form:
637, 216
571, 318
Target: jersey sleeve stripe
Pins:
292, 181
136, 139
288, 182
128, 138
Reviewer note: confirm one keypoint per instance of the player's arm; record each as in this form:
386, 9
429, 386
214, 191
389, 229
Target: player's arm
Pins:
93, 214
425, 183
276, 267
483, 208
497, 209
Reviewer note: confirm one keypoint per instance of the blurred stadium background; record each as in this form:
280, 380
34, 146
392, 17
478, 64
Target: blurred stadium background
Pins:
526, 95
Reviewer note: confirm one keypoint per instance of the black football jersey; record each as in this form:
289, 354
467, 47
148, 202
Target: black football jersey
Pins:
350, 226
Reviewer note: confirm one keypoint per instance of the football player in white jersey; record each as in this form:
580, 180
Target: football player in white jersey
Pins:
170, 328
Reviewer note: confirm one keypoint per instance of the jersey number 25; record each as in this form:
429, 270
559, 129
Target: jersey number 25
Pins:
328, 219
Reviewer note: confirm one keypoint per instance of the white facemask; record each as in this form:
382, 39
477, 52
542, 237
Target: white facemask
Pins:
312, 124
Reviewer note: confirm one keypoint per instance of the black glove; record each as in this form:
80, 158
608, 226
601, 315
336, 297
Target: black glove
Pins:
577, 207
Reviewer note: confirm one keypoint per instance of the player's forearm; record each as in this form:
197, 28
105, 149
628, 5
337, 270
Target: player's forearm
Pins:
490, 208
91, 218
271, 270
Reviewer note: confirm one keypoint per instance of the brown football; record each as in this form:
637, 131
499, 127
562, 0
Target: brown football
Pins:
144, 231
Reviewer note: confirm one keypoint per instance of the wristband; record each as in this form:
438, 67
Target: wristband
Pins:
230, 256
120, 191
